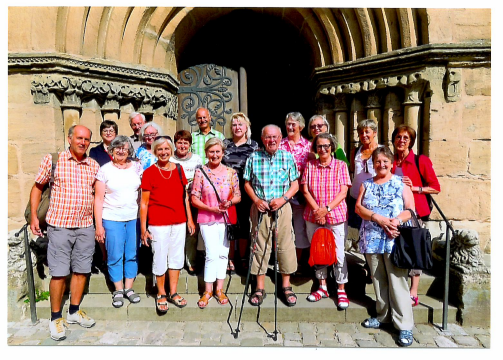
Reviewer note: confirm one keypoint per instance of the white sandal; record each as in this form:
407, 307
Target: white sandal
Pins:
317, 295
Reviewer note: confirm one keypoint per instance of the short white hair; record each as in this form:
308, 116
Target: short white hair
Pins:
314, 117
135, 114
296, 116
149, 124
271, 126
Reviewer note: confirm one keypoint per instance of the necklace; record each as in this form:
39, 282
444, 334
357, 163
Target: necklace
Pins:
119, 167
165, 169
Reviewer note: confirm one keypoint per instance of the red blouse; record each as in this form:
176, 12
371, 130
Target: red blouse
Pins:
409, 169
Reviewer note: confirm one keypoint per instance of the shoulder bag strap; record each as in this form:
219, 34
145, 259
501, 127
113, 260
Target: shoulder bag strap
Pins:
416, 159
216, 192
414, 217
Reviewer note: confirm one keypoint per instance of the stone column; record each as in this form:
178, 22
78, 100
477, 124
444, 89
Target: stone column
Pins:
412, 106
341, 122
71, 108
357, 114
374, 112
392, 118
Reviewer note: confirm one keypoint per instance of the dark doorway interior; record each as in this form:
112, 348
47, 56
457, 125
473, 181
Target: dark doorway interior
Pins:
278, 62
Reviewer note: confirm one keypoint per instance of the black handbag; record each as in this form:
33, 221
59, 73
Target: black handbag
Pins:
232, 229
412, 249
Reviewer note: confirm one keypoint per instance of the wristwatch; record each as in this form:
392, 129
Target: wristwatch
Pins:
400, 222
328, 208
286, 198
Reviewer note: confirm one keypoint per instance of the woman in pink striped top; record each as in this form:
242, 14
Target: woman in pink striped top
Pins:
325, 183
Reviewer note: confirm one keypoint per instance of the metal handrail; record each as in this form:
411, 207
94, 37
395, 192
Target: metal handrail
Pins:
449, 228
29, 274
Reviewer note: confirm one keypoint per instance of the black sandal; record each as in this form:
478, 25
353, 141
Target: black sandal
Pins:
162, 303
117, 299
177, 302
287, 296
260, 295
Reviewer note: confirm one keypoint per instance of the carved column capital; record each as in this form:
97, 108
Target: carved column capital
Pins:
373, 101
340, 103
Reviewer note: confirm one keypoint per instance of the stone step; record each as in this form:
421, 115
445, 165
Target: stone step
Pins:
99, 307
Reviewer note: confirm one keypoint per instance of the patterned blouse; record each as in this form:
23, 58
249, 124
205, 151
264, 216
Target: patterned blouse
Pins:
386, 200
324, 184
300, 151
235, 156
227, 185
145, 157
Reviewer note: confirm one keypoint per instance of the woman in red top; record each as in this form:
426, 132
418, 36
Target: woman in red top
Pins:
164, 202
404, 164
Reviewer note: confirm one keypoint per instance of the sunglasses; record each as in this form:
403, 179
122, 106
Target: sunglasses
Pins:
165, 137
323, 146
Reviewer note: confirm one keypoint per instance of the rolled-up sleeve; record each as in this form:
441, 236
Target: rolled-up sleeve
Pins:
44, 171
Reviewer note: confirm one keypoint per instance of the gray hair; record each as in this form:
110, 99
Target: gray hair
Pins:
148, 124
135, 114
272, 126
119, 142
72, 128
314, 117
296, 116
212, 142
242, 116
159, 142
327, 136
384, 150
367, 123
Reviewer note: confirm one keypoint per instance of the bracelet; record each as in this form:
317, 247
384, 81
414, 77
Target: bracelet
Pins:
230, 202
371, 216
420, 190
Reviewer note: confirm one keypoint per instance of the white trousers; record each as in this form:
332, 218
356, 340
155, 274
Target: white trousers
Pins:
340, 231
168, 246
217, 251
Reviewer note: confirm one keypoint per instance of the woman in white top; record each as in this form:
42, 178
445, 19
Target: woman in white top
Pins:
116, 212
361, 166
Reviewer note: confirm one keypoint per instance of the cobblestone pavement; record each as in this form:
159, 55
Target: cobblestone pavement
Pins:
290, 334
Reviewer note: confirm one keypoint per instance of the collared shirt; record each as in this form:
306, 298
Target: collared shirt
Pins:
300, 151
410, 169
199, 140
324, 184
270, 175
72, 197
135, 139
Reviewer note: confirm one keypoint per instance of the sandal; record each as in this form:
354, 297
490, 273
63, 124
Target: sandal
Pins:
371, 323
342, 299
222, 299
179, 303
205, 299
405, 338
290, 294
117, 299
260, 295
230, 266
317, 295
158, 304
415, 300
133, 297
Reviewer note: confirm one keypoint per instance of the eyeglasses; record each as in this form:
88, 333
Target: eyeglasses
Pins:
276, 137
166, 137
366, 166
403, 138
323, 146
108, 131
317, 126
122, 149
149, 136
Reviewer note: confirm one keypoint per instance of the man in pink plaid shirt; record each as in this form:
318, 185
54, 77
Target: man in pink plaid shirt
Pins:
70, 226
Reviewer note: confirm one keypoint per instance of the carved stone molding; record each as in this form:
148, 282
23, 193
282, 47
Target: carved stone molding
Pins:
452, 88
373, 101
340, 103
71, 91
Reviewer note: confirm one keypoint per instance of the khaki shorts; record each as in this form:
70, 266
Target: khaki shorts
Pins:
70, 249
287, 258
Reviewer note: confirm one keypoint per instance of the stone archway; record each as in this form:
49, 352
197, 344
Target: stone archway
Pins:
276, 59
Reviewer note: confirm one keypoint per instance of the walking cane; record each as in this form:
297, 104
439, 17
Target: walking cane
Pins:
253, 248
275, 239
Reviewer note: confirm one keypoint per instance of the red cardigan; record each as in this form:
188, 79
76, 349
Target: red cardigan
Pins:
409, 169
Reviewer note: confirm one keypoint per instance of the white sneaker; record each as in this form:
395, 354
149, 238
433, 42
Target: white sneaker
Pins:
81, 318
57, 329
